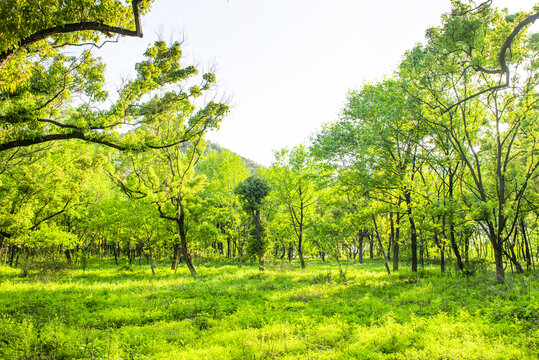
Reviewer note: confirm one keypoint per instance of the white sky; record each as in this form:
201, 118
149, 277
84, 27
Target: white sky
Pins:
287, 65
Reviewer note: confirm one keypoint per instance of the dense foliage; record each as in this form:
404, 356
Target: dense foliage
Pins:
437, 165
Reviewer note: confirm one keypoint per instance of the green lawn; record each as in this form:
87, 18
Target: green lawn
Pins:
237, 313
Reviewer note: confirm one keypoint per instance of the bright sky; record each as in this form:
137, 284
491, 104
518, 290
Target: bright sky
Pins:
287, 65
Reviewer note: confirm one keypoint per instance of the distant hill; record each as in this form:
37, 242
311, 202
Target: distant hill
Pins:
251, 165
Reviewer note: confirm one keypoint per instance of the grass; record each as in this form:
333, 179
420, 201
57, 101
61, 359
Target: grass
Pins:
229, 312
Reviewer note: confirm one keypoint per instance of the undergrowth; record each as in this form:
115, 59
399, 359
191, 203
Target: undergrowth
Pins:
230, 312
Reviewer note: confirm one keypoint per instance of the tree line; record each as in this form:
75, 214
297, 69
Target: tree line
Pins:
437, 161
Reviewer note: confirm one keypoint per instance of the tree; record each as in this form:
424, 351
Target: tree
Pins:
28, 24
331, 229
51, 85
374, 147
166, 178
291, 176
488, 116
37, 186
225, 171
252, 193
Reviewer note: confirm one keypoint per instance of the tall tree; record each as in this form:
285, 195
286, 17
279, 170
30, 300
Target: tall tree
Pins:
487, 115
291, 177
48, 93
225, 171
375, 146
252, 193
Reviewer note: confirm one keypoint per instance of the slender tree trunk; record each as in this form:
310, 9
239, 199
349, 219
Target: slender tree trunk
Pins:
413, 230
300, 251
381, 246
512, 256
12, 252
371, 247
391, 235
527, 252
452, 230
440, 246
360, 235
183, 242
151, 260
115, 253
396, 243
454, 245
68, 255
442, 259
421, 249
175, 256
290, 252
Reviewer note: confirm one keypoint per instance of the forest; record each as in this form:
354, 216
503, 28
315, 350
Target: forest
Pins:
407, 228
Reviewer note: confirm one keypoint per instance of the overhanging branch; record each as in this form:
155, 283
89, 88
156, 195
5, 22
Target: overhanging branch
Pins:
74, 27
503, 63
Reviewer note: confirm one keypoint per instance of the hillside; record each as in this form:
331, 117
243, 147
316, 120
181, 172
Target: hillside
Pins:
253, 166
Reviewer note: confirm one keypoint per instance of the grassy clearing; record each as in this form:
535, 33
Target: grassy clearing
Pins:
285, 313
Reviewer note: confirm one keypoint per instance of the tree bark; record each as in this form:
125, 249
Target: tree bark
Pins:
381, 246
371, 247
183, 242
397, 243
360, 236
527, 252
151, 260
413, 230
175, 257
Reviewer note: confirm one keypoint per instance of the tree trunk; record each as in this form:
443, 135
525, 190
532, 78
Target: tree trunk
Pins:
115, 253
454, 245
421, 250
396, 244
261, 265
527, 252
12, 252
68, 255
391, 235
498, 260
360, 235
381, 246
497, 247
151, 260
512, 256
440, 246
300, 253
290, 252
183, 242
413, 230
371, 247
258, 233
175, 257
442, 259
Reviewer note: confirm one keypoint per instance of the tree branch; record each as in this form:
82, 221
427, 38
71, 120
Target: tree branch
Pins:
52, 137
502, 59
74, 27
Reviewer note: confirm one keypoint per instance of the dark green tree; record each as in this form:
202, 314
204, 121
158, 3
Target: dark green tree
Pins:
252, 193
